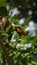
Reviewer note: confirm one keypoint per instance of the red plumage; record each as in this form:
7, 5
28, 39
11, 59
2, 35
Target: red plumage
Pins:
21, 32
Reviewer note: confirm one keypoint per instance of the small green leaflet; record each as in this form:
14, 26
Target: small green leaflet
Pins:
7, 29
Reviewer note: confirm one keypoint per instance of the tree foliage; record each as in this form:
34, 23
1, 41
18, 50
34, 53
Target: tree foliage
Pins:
20, 49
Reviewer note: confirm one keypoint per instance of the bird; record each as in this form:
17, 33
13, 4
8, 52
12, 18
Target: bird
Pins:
19, 30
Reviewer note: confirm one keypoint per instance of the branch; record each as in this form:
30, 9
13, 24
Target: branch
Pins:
8, 58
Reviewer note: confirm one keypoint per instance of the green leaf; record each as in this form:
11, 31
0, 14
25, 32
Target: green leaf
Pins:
7, 29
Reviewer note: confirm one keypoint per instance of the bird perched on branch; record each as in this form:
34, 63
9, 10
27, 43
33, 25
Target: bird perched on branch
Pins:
20, 31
